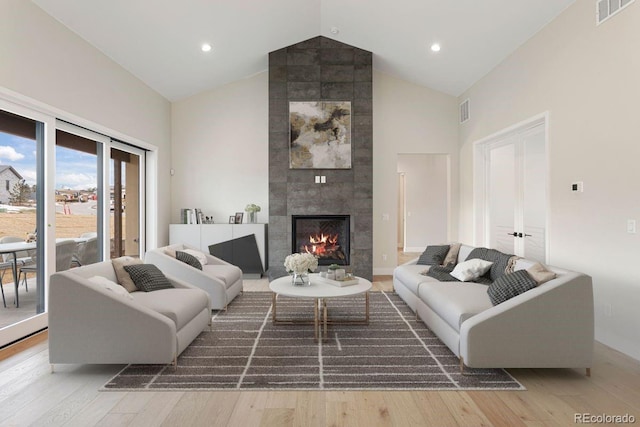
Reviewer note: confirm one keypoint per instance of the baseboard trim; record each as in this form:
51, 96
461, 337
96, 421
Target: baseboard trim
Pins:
383, 271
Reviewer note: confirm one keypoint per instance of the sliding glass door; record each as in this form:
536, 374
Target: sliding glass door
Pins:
68, 197
22, 147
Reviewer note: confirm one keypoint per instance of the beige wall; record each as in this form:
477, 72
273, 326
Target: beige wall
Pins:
586, 77
221, 158
44, 61
407, 119
221, 150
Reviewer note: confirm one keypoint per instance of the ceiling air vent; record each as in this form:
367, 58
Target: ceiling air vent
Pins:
464, 111
605, 9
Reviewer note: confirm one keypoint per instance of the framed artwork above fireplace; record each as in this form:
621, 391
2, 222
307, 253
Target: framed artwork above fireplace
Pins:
320, 135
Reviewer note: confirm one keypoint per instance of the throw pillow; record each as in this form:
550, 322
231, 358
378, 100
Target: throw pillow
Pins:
148, 277
433, 255
200, 255
123, 277
471, 269
509, 286
189, 259
170, 252
109, 285
540, 273
452, 255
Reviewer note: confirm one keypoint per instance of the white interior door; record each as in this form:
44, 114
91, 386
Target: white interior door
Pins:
516, 186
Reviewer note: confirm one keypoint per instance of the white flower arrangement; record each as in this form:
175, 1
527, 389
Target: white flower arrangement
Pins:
301, 263
252, 207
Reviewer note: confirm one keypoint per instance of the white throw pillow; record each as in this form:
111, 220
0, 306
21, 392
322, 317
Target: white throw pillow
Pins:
471, 269
201, 256
111, 286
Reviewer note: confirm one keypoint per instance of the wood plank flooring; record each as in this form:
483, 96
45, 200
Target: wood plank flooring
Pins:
31, 395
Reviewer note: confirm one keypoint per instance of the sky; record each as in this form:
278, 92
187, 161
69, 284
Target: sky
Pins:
75, 170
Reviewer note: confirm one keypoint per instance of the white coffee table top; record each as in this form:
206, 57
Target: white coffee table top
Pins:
317, 289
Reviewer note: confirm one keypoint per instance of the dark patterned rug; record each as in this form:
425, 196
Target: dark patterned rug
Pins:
245, 350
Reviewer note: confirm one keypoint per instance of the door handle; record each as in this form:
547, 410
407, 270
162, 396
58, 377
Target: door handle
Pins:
514, 234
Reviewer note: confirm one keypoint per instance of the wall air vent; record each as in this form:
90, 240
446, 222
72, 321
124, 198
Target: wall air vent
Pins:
464, 111
605, 9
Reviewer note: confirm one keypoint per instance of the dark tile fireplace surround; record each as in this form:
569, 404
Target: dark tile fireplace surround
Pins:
321, 69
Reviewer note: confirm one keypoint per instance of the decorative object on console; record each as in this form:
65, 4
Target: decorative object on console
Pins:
300, 265
232, 219
253, 210
320, 135
239, 216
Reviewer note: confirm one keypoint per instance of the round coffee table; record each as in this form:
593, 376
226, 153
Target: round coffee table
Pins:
319, 290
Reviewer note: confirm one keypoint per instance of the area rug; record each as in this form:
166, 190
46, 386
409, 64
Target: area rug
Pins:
246, 351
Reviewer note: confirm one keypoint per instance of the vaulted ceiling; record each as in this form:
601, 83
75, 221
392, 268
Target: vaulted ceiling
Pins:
159, 40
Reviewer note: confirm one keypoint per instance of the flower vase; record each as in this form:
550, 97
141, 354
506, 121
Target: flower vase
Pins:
300, 279
253, 217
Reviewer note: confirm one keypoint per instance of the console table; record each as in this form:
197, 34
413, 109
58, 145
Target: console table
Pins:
202, 236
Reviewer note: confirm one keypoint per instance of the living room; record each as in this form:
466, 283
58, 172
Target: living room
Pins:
211, 149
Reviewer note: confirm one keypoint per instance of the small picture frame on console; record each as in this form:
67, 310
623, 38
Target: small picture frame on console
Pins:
232, 219
239, 216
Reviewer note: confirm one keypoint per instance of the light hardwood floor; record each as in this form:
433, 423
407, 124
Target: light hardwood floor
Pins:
31, 395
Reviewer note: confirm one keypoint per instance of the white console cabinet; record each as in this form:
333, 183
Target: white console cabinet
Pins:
203, 235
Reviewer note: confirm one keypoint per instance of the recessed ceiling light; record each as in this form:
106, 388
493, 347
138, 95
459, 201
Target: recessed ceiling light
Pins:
435, 47
334, 30
206, 47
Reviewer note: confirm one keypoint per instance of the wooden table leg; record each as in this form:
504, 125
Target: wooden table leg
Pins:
324, 305
273, 302
316, 323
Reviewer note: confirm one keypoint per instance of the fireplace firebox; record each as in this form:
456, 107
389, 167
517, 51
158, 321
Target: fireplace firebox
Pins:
325, 236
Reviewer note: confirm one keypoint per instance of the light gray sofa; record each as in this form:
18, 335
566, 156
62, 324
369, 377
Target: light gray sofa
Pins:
221, 280
550, 326
91, 324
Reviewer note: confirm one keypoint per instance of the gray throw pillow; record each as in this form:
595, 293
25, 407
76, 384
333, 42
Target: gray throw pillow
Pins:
509, 286
148, 277
433, 255
188, 259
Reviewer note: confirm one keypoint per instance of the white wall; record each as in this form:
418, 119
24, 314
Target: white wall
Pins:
407, 119
426, 199
43, 61
221, 150
586, 77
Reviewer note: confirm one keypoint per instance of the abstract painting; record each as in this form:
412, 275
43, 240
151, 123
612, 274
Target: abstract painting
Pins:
320, 135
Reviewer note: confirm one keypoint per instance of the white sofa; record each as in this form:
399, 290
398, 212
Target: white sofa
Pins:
90, 324
550, 326
221, 280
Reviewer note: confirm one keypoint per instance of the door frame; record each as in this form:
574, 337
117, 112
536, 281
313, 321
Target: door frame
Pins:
481, 149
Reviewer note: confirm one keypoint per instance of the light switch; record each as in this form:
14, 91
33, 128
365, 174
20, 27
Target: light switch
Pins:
577, 187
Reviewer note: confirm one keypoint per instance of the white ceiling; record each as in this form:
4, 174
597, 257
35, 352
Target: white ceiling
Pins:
159, 40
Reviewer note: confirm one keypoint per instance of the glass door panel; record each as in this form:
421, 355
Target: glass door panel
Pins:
125, 206
77, 213
21, 281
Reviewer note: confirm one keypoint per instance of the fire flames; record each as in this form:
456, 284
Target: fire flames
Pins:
322, 245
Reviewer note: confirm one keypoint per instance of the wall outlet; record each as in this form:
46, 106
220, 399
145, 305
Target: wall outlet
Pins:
384, 257
317, 179
631, 226
385, 217
608, 310
323, 179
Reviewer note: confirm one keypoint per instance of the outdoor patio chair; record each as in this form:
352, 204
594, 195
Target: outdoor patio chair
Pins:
64, 253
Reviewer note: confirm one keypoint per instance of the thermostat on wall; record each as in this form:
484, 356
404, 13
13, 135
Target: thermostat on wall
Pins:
577, 187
